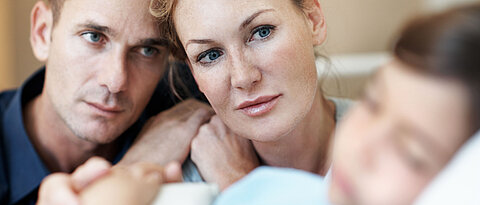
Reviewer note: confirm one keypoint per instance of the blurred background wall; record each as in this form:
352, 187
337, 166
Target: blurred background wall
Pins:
356, 27
16, 57
6, 44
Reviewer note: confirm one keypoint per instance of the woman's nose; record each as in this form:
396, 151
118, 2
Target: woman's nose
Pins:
244, 72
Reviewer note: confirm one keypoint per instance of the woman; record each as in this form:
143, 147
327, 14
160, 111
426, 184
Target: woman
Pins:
254, 61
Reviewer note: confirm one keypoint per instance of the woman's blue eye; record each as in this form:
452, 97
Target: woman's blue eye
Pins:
209, 56
148, 51
264, 32
93, 37
261, 33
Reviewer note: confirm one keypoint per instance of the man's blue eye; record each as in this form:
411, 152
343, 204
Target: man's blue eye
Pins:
93, 37
148, 51
210, 56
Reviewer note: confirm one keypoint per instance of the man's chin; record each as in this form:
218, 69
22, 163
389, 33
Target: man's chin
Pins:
97, 138
95, 129
99, 134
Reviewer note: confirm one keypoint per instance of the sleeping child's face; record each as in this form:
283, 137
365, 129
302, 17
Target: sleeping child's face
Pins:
403, 132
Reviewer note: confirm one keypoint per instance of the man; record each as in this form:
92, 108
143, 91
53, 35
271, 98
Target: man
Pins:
103, 60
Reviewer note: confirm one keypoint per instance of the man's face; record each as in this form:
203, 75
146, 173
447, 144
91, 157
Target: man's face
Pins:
105, 59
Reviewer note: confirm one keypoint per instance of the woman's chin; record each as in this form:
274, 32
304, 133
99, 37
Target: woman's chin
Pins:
270, 128
264, 133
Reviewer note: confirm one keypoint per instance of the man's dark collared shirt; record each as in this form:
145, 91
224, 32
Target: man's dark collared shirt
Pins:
21, 168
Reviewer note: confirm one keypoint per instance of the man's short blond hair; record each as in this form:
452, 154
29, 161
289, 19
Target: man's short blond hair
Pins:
56, 6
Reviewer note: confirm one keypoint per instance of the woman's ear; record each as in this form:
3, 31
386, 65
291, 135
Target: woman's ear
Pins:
314, 13
41, 25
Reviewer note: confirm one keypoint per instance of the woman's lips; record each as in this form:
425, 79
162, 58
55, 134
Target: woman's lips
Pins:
259, 106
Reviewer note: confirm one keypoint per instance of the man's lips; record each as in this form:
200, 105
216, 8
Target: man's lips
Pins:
105, 108
258, 106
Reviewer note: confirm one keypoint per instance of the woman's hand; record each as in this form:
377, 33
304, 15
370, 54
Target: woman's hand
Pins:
221, 156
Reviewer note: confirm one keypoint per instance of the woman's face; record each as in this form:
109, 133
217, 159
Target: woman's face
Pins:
398, 137
253, 60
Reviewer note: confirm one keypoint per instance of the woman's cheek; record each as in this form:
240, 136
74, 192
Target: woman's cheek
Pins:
215, 87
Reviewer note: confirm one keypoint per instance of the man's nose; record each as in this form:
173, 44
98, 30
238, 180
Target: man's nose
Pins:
113, 74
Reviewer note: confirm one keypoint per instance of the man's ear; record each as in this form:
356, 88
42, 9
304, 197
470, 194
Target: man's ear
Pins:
315, 16
41, 25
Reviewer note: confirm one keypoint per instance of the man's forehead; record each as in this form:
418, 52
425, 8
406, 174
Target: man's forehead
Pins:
110, 11
114, 16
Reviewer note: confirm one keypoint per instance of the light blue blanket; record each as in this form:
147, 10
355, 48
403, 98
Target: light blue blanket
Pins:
276, 186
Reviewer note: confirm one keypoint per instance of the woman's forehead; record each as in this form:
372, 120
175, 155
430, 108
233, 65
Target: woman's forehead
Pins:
229, 11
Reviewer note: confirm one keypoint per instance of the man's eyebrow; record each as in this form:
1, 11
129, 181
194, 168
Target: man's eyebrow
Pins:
253, 16
105, 29
95, 26
153, 42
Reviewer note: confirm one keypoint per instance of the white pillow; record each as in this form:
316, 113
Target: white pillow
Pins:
186, 194
459, 182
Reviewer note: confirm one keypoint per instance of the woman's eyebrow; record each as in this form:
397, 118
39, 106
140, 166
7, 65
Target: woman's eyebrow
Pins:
249, 20
199, 41
245, 23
